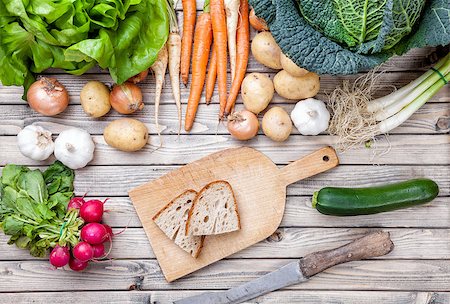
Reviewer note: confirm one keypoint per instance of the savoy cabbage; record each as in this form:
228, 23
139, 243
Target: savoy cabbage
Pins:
348, 36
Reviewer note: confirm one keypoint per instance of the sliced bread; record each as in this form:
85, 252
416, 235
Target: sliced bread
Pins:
214, 210
172, 221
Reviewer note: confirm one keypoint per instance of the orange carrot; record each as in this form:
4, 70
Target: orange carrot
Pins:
212, 75
257, 23
202, 46
243, 46
189, 15
219, 27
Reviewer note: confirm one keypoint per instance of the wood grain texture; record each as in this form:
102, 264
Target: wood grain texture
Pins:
422, 149
114, 181
298, 213
410, 243
13, 95
276, 297
432, 118
260, 191
416, 272
400, 275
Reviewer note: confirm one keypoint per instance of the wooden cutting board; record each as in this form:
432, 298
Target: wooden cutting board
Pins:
260, 189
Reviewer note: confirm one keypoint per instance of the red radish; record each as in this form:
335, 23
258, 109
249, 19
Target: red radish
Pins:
83, 251
99, 250
109, 231
94, 233
75, 203
92, 211
77, 265
59, 256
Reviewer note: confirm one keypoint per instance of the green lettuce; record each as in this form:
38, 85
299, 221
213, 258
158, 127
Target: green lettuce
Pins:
348, 36
123, 36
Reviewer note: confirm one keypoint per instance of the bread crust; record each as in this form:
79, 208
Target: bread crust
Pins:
191, 211
201, 247
157, 215
171, 203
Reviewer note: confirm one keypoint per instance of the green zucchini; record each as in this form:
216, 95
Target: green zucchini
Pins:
358, 201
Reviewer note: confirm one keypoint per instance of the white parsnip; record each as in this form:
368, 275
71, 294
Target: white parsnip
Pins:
232, 13
174, 49
159, 68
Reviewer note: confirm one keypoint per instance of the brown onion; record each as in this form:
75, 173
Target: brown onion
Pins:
126, 98
257, 23
139, 77
243, 125
47, 96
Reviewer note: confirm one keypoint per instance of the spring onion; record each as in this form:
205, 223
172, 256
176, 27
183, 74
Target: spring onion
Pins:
357, 118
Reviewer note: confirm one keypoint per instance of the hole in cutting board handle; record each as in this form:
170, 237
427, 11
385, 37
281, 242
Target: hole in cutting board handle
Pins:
326, 158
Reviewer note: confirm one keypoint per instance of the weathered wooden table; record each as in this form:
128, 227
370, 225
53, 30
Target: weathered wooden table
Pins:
417, 271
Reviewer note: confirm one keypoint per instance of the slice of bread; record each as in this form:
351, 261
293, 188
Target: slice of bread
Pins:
172, 221
214, 210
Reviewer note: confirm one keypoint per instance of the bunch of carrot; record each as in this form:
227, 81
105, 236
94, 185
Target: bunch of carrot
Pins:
227, 22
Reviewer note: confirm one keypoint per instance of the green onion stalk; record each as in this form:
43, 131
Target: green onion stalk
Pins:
358, 118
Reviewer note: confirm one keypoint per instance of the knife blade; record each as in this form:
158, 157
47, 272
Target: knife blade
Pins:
372, 245
285, 276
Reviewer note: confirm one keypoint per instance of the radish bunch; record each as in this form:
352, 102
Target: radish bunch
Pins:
92, 237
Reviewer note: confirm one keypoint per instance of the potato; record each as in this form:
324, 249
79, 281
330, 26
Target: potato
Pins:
126, 134
296, 88
266, 50
290, 67
277, 124
257, 91
95, 99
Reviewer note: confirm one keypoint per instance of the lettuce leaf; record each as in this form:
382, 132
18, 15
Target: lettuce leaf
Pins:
123, 36
314, 37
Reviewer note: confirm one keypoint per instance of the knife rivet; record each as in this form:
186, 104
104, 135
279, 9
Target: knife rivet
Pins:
349, 255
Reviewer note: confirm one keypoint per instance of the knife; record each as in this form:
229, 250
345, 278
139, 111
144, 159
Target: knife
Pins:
372, 245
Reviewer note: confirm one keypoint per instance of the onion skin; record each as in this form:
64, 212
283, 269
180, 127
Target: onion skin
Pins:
126, 98
139, 77
243, 125
47, 96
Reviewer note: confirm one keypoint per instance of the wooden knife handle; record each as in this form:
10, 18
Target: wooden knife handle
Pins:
372, 245
312, 164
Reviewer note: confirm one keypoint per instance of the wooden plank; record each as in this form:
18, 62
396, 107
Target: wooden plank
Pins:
298, 213
432, 118
74, 84
283, 296
395, 275
114, 181
396, 149
417, 244
414, 60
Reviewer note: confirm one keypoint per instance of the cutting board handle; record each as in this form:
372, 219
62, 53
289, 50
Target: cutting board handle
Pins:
312, 164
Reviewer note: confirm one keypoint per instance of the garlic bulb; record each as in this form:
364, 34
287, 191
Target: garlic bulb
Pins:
310, 116
35, 142
74, 148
